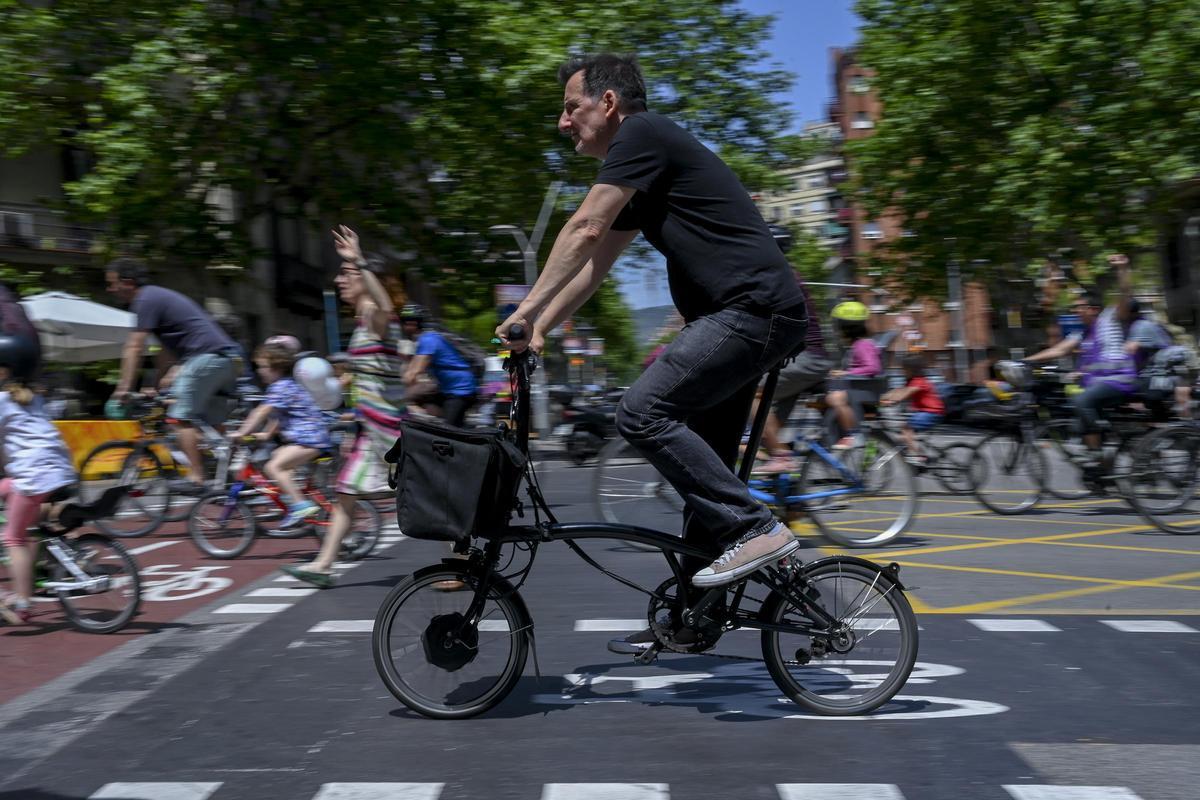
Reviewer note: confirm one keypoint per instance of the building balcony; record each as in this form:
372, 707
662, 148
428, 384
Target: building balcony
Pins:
837, 176
26, 227
845, 215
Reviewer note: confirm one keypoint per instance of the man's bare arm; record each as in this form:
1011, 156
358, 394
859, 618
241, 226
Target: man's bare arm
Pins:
584, 284
131, 360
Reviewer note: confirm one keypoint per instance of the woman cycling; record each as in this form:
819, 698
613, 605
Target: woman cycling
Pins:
36, 462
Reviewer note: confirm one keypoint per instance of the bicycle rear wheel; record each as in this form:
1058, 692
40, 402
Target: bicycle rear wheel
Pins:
872, 508
630, 491
126, 463
1008, 472
437, 662
221, 526
1163, 483
1064, 478
953, 468
862, 661
108, 604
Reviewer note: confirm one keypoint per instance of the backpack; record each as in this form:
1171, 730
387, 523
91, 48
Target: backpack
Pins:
471, 353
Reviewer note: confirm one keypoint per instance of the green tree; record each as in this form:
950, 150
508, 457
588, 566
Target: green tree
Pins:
1014, 129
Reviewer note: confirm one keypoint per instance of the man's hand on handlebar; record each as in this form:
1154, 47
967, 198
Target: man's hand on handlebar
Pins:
514, 332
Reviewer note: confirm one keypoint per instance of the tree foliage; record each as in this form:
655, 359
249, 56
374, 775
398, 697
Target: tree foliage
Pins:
1013, 129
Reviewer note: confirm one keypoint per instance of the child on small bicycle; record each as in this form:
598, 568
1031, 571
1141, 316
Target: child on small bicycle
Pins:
289, 411
857, 383
37, 463
924, 403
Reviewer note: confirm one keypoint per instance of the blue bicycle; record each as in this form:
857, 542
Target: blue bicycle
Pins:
862, 497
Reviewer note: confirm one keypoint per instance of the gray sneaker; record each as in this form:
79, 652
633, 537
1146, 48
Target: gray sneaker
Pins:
746, 556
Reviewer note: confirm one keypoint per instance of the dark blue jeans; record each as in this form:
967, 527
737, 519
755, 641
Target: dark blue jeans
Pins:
687, 411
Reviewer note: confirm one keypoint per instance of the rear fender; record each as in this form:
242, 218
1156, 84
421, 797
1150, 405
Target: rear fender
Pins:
890, 571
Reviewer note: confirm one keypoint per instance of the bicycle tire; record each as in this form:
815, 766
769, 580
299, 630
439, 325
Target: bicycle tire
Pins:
363, 535
1064, 478
125, 586
877, 454
1007, 459
805, 689
221, 526
458, 655
953, 468
1164, 485
628, 490
141, 510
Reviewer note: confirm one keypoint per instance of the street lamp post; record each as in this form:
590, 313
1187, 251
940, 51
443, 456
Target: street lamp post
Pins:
529, 252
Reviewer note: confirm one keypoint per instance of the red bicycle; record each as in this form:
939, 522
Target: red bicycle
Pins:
223, 525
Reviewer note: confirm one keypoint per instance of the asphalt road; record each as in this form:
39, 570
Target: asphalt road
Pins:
1060, 654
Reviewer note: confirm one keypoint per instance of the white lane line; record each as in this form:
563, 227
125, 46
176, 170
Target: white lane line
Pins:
605, 791
839, 791
287, 579
493, 625
253, 608
146, 548
1148, 626
343, 626
282, 591
156, 791
609, 625
1036, 792
992, 625
379, 791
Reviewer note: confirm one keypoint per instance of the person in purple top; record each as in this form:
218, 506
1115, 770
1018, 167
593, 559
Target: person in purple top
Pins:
1108, 372
859, 381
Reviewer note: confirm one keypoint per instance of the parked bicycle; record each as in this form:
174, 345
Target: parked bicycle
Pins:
223, 525
92, 575
838, 634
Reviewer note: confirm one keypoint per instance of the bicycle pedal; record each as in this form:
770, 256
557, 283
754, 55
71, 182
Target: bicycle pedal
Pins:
649, 655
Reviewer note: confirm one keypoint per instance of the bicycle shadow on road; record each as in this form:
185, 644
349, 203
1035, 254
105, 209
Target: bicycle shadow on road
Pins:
38, 794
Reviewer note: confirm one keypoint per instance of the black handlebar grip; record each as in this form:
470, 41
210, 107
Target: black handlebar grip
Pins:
516, 332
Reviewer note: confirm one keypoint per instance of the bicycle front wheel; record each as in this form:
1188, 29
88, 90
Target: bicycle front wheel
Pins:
1008, 472
110, 596
221, 526
854, 665
363, 535
1163, 482
132, 464
953, 468
1064, 478
630, 491
438, 662
869, 501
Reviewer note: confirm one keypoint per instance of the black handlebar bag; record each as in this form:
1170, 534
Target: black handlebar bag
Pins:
453, 483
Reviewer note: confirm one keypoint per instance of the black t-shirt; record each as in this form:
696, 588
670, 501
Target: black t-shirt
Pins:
692, 208
179, 322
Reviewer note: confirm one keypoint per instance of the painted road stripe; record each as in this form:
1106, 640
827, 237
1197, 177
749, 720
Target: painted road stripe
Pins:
1070, 793
379, 791
1014, 625
287, 579
343, 626
1148, 626
605, 791
282, 591
839, 791
610, 626
252, 608
146, 548
156, 791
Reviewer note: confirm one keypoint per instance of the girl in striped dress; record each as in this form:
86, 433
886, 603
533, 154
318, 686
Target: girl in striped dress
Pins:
379, 391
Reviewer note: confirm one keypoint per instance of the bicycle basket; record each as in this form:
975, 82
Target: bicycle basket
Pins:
453, 483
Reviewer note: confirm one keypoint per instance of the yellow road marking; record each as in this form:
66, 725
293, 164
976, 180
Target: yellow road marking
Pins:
1148, 583
953, 548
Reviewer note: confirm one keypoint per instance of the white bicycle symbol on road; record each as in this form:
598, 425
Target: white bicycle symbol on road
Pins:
170, 582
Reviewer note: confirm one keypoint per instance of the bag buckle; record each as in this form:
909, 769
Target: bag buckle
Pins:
442, 447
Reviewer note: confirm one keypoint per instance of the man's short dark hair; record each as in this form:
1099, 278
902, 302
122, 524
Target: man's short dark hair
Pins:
1093, 298
130, 269
604, 71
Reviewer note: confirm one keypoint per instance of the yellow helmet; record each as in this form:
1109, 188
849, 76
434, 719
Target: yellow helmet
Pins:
851, 311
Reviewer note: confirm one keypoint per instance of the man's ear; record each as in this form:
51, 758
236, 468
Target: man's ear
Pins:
612, 103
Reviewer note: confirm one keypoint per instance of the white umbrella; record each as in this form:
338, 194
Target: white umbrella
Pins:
75, 330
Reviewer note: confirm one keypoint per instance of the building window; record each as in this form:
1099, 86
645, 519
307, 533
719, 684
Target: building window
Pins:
871, 230
862, 121
818, 207
858, 84
816, 180
796, 210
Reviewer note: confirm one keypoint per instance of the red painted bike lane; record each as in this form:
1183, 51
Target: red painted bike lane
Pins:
176, 579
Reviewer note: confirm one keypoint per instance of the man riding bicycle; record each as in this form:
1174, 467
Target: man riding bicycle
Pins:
744, 312
1109, 376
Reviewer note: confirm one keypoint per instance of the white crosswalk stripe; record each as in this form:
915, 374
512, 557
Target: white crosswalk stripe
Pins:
156, 791
1070, 793
839, 791
605, 791
610, 625
379, 791
253, 608
283, 591
1148, 626
343, 626
1014, 625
